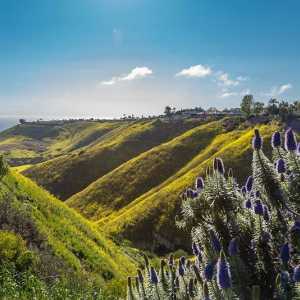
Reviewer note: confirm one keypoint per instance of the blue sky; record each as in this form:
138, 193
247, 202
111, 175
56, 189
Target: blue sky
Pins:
103, 58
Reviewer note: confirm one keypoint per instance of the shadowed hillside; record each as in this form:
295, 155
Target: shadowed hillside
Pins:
64, 244
35, 142
71, 173
138, 175
153, 213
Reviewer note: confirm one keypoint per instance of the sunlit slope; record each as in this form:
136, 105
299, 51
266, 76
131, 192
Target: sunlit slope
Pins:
138, 175
35, 142
149, 221
69, 174
63, 241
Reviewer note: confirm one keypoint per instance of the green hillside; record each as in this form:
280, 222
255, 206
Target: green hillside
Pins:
63, 244
153, 213
138, 175
40, 141
69, 174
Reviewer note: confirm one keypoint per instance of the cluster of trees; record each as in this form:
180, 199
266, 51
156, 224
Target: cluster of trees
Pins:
283, 109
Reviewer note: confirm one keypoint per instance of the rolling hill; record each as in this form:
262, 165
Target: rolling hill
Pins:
153, 213
64, 244
127, 176
70, 173
135, 177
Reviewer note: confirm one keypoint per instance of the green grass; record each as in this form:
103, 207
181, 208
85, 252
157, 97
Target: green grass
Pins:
140, 174
153, 213
71, 173
65, 244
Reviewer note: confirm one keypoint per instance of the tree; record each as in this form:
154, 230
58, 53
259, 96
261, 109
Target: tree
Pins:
273, 107
168, 111
22, 121
258, 108
247, 105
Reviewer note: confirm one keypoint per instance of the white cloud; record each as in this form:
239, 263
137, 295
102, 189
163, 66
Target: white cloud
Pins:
224, 79
199, 71
279, 90
242, 78
136, 73
228, 94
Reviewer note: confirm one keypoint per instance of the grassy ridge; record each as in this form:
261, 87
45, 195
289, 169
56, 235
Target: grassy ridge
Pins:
154, 213
65, 244
69, 174
35, 142
140, 174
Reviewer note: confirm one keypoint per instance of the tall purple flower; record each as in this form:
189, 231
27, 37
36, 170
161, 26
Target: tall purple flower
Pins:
296, 275
199, 184
181, 269
258, 208
290, 141
209, 271
219, 166
276, 139
233, 247
223, 273
182, 260
257, 140
280, 166
215, 241
153, 276
248, 203
249, 184
195, 249
285, 253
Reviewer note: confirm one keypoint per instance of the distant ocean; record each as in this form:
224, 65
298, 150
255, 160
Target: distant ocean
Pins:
7, 122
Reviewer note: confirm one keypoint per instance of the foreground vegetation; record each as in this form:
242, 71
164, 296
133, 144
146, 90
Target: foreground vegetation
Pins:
48, 251
246, 240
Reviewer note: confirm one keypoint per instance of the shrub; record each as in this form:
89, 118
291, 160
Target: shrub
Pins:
246, 240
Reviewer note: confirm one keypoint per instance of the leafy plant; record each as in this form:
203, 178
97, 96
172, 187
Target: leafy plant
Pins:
246, 240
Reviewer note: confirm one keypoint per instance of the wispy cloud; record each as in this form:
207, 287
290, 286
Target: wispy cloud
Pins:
136, 73
279, 90
223, 79
227, 94
199, 71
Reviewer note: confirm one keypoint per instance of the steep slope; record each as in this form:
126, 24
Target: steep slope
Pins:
138, 175
153, 213
39, 141
65, 245
71, 173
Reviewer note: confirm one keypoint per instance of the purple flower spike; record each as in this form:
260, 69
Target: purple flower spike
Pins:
285, 253
195, 249
248, 203
223, 273
249, 184
215, 241
280, 166
153, 276
257, 140
219, 166
233, 247
290, 140
258, 208
199, 184
276, 139
181, 269
209, 271
298, 149
296, 275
